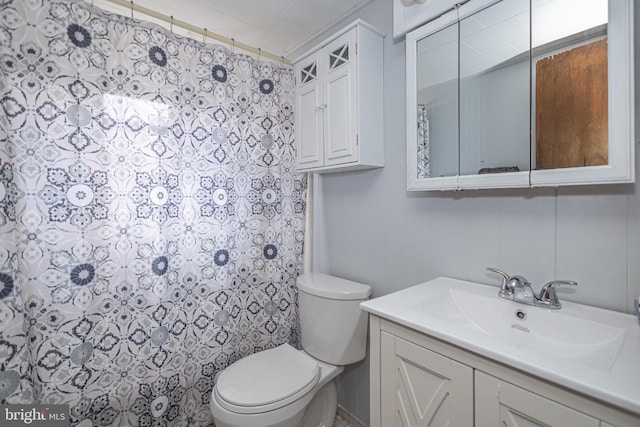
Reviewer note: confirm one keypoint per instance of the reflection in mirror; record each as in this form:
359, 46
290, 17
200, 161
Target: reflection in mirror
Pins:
437, 96
494, 89
570, 81
424, 166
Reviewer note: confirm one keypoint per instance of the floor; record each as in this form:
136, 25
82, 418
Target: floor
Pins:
344, 420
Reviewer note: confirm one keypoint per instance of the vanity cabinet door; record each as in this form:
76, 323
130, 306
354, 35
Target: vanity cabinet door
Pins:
423, 388
499, 403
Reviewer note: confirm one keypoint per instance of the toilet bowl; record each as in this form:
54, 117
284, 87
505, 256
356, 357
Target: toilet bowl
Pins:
280, 387
285, 387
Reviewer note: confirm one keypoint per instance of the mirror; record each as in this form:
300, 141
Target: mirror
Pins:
494, 93
437, 107
517, 93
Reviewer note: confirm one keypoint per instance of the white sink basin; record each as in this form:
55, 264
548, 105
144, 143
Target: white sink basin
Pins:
525, 327
591, 350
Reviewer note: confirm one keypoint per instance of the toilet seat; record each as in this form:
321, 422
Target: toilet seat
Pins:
266, 380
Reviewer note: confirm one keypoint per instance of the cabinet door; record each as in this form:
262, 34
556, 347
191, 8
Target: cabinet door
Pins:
309, 112
341, 112
421, 388
499, 403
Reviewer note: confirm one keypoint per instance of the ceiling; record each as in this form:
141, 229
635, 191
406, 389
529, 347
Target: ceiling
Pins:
276, 26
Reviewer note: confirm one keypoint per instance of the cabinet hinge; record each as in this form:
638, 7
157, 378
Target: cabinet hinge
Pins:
357, 139
356, 48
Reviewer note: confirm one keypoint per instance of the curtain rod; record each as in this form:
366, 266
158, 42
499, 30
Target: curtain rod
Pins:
201, 31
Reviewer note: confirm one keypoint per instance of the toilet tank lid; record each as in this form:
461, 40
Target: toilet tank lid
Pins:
332, 287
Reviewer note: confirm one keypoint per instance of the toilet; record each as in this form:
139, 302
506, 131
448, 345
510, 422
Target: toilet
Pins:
285, 387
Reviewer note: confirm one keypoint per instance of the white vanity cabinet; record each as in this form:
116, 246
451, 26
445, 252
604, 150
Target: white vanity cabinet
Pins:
419, 380
338, 117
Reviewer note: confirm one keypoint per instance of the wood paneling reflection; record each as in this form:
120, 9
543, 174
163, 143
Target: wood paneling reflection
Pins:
572, 108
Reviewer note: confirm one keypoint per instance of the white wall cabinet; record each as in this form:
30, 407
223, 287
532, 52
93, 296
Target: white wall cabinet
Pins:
418, 380
338, 117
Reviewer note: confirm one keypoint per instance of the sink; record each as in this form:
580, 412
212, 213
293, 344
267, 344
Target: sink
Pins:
588, 349
527, 328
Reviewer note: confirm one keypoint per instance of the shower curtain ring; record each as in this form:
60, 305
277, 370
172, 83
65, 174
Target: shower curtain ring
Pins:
259, 53
131, 9
204, 36
171, 26
233, 45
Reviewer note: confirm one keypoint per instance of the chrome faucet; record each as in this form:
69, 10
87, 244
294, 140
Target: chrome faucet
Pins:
518, 289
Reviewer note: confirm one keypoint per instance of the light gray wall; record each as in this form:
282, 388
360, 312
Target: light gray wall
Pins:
370, 229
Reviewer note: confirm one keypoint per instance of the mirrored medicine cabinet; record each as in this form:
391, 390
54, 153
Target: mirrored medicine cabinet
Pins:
521, 93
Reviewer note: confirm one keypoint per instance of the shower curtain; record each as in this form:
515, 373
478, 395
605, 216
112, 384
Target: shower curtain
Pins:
151, 220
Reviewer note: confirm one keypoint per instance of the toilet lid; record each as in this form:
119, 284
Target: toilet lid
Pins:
267, 380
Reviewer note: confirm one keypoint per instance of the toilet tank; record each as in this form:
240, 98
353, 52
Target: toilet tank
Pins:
333, 328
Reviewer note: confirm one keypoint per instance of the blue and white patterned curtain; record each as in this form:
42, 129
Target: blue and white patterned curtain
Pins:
151, 218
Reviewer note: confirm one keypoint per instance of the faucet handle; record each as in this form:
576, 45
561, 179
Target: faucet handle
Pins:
548, 296
504, 275
506, 289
